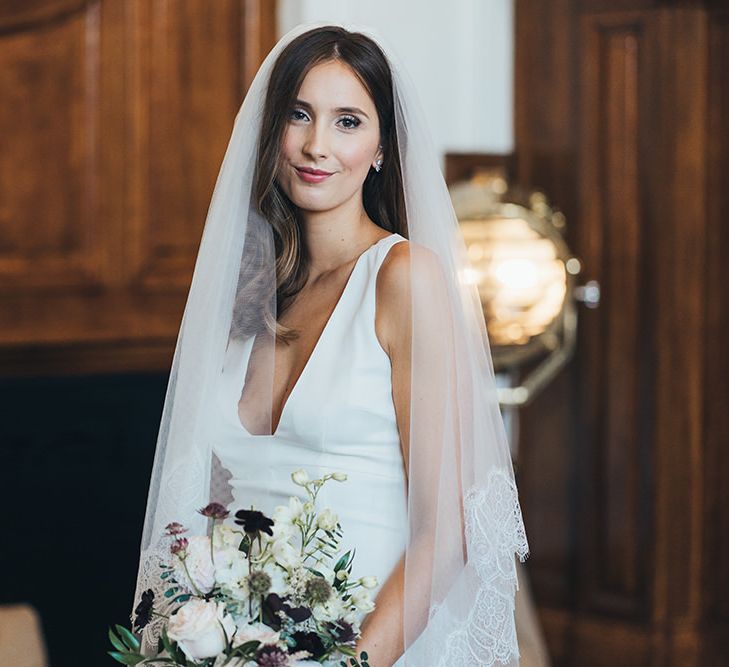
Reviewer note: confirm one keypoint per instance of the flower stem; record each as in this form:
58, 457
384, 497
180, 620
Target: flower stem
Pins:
192, 583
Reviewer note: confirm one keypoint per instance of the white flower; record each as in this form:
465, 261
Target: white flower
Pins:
258, 631
225, 535
308, 506
200, 573
285, 554
340, 476
283, 519
296, 507
362, 601
368, 582
197, 573
279, 579
300, 477
196, 627
231, 569
327, 520
331, 610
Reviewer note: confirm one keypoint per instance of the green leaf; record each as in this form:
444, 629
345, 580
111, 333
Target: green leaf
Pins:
364, 655
246, 649
127, 637
116, 642
341, 562
170, 592
126, 658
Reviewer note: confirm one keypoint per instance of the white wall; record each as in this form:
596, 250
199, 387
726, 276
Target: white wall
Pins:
458, 52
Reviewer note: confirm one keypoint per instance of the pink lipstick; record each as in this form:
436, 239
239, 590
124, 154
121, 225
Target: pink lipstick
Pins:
312, 175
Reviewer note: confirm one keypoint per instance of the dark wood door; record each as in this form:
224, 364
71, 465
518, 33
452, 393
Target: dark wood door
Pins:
622, 118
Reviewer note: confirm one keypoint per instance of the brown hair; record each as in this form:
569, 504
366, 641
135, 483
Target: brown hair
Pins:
382, 195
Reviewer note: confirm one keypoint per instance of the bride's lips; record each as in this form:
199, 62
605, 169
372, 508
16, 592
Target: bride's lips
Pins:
312, 175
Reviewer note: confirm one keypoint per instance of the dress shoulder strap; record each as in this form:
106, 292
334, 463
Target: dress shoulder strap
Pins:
382, 251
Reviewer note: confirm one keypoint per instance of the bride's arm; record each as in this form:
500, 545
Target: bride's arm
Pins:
383, 630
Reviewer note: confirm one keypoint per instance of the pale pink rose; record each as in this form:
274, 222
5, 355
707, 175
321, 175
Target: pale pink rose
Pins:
196, 627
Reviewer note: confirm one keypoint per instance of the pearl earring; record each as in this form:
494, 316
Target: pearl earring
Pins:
378, 164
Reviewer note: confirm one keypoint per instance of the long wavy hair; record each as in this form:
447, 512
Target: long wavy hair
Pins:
382, 195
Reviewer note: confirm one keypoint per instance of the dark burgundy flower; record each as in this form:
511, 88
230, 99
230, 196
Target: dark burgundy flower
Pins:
143, 611
254, 521
179, 545
341, 631
175, 528
273, 604
214, 511
270, 655
308, 641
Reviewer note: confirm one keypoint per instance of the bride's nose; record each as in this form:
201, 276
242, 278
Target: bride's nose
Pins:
315, 141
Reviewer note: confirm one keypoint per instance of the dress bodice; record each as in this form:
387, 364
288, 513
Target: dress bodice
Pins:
340, 416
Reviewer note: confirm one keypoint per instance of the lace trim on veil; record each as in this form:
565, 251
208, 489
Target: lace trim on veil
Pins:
149, 579
494, 533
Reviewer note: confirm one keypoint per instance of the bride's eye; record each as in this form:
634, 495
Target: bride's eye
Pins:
295, 111
356, 122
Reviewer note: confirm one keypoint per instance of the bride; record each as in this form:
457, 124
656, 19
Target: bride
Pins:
331, 327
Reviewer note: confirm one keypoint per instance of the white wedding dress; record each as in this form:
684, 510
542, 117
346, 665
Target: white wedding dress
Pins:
339, 416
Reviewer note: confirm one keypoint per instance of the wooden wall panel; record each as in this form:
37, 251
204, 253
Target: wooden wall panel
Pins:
185, 68
118, 118
49, 197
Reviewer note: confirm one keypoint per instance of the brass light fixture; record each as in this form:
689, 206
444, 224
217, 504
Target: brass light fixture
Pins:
526, 279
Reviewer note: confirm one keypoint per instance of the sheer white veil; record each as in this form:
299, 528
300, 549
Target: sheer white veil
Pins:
465, 525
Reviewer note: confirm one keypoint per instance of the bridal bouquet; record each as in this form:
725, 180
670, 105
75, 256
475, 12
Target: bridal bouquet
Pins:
261, 592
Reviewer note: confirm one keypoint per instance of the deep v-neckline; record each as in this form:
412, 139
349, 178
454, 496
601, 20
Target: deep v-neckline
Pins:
309, 359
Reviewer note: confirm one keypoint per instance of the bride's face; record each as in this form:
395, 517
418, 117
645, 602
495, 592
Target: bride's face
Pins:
332, 127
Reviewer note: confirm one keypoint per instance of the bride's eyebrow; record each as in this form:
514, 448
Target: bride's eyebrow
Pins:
308, 106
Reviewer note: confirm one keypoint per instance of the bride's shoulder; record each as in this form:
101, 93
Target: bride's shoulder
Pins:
406, 264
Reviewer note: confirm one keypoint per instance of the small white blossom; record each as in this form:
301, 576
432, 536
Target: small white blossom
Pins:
296, 507
362, 601
368, 582
285, 554
225, 535
333, 609
339, 476
327, 520
300, 477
